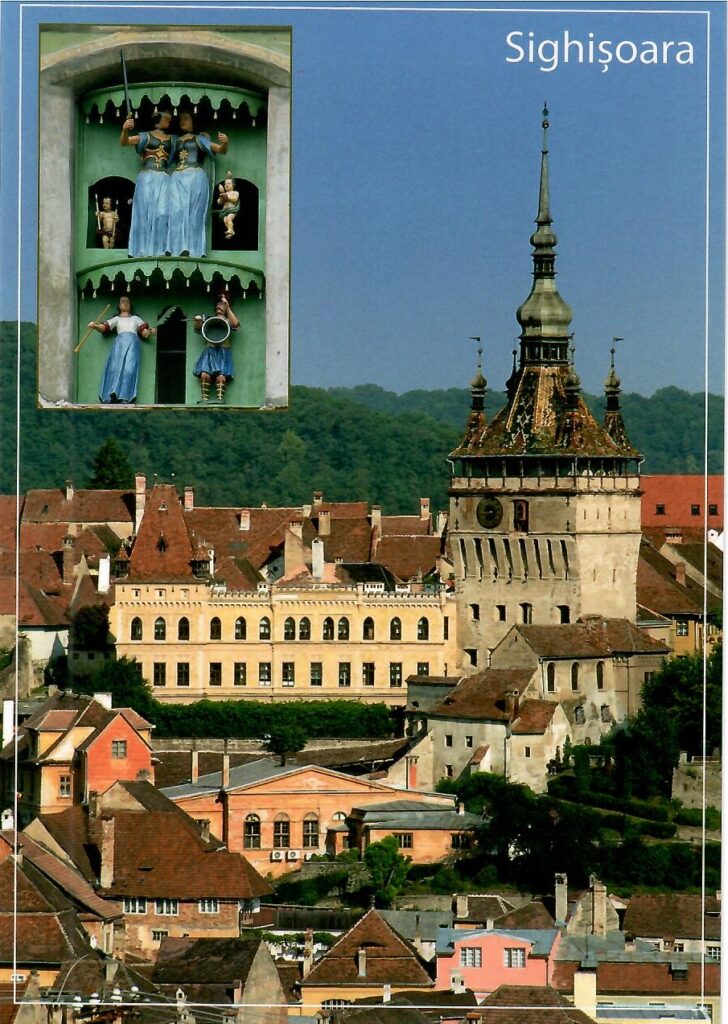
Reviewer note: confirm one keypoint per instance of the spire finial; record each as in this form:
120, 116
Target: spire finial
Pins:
478, 384
612, 384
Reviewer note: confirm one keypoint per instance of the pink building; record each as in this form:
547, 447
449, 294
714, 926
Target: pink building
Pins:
484, 959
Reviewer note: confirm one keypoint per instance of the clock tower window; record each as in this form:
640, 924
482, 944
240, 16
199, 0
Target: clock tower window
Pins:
520, 516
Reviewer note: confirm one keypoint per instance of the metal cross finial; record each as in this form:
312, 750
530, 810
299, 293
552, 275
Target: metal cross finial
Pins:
476, 337
613, 349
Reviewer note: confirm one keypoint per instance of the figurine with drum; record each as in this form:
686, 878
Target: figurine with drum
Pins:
215, 364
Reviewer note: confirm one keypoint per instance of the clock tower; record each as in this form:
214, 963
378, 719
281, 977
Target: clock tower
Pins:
544, 501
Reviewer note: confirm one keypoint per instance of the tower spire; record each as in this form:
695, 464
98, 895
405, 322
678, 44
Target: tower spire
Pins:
544, 316
478, 384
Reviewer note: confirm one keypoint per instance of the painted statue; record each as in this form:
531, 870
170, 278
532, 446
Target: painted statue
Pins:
229, 199
149, 230
121, 372
106, 221
189, 188
216, 362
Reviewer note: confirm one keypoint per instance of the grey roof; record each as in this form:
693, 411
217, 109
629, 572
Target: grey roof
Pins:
411, 923
612, 948
242, 775
541, 939
671, 1012
439, 818
404, 805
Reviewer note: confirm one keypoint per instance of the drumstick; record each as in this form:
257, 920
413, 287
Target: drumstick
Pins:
88, 332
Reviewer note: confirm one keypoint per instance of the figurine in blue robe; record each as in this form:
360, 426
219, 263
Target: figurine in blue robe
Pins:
189, 188
150, 208
121, 372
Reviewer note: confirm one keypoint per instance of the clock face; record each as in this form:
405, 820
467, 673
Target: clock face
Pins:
489, 512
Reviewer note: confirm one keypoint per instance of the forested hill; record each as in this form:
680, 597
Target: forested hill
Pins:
361, 443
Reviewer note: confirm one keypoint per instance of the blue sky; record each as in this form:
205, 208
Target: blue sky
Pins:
416, 150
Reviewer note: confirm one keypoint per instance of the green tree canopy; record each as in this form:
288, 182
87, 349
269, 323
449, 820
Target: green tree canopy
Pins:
111, 469
285, 740
90, 628
682, 689
387, 868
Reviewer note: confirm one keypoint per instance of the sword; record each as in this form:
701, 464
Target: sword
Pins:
129, 111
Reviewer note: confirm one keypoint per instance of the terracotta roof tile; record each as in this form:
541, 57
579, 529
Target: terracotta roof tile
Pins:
672, 916
389, 959
86, 506
592, 637
524, 1004
163, 549
659, 590
404, 526
534, 717
678, 493
530, 915
406, 556
487, 907
641, 977
9, 513
482, 696
185, 961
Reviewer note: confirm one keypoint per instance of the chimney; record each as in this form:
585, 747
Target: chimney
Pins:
69, 542
680, 573
376, 517
561, 894
225, 767
361, 962
424, 508
244, 522
317, 558
294, 555
69, 490
324, 523
585, 988
195, 766
140, 499
386, 992
94, 804
511, 703
412, 771
106, 873
237, 992
104, 574
211, 556
307, 952
441, 523
205, 830
8, 720
189, 502
318, 497
7, 821
599, 906
105, 699
460, 807
461, 905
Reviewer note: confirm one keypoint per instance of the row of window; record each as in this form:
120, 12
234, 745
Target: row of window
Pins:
282, 832
575, 674
315, 673
292, 630
694, 510
458, 840
167, 908
472, 956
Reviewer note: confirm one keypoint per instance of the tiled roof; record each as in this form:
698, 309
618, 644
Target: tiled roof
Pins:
350, 540
404, 526
163, 549
534, 717
86, 506
407, 556
220, 527
678, 493
9, 508
530, 915
632, 976
482, 696
659, 590
37, 569
526, 1004
487, 907
672, 916
389, 959
184, 961
34, 607
591, 637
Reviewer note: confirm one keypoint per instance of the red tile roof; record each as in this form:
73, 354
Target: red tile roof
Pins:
9, 514
526, 1004
534, 717
678, 493
482, 696
407, 556
86, 506
659, 590
404, 526
389, 959
641, 977
530, 915
672, 916
164, 549
590, 637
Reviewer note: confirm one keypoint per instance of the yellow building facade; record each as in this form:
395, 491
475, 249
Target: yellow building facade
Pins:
198, 640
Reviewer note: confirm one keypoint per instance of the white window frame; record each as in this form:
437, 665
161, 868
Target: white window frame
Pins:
135, 905
166, 907
209, 905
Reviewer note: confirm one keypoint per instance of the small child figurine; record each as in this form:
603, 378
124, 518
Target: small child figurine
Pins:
107, 219
229, 199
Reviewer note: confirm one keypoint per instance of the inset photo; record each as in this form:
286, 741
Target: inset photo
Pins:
164, 217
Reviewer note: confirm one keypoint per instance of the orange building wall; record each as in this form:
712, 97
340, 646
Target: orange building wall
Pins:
103, 769
428, 845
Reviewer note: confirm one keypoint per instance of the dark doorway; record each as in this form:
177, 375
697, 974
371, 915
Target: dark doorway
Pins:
171, 357
119, 192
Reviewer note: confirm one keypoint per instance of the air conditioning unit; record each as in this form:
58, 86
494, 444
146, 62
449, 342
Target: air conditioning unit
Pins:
293, 855
277, 855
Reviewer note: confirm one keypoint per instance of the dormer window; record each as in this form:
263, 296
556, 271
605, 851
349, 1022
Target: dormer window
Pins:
161, 543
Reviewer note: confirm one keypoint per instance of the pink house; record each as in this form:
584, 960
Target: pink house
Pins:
484, 959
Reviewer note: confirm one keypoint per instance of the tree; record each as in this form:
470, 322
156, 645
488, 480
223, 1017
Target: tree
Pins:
124, 681
285, 740
679, 690
387, 868
111, 468
90, 628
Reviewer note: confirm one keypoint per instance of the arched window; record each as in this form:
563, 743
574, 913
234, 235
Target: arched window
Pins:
289, 629
367, 630
183, 629
251, 832
328, 631
241, 628
395, 629
215, 628
551, 677
575, 676
423, 629
520, 516
136, 628
310, 832
304, 629
600, 675
264, 628
343, 629
281, 832
160, 629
